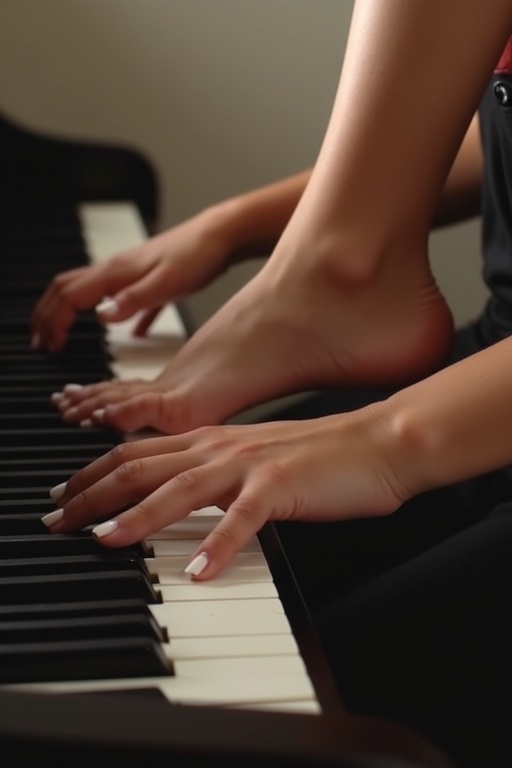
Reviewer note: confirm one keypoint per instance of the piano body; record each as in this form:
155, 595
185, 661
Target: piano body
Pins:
116, 655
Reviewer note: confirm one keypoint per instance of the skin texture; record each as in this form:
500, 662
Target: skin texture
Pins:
347, 296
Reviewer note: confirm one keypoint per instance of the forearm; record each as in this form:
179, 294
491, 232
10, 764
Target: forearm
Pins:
250, 224
460, 197
455, 424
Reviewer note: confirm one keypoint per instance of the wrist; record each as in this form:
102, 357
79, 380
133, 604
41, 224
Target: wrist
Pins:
398, 444
235, 229
435, 442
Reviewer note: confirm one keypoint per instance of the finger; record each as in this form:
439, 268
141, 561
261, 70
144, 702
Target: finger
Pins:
111, 460
70, 293
75, 291
190, 490
145, 321
243, 519
129, 483
150, 291
40, 310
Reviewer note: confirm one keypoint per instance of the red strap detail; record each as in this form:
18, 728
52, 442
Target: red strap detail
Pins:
505, 63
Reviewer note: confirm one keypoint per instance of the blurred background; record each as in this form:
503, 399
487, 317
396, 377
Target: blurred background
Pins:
221, 95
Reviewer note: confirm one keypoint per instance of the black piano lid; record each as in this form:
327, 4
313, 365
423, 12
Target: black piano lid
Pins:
81, 729
35, 168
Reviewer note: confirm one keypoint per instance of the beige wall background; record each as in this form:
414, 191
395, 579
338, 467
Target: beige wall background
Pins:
221, 95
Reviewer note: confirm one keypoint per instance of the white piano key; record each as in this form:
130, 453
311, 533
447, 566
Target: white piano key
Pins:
245, 689
232, 646
250, 566
215, 590
276, 666
171, 572
217, 618
230, 639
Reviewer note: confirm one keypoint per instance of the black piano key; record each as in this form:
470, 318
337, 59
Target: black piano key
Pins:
19, 323
102, 561
79, 343
82, 660
24, 494
24, 524
29, 452
40, 506
21, 365
58, 436
65, 578
20, 506
57, 545
34, 389
54, 381
44, 630
59, 588
69, 611
27, 407
67, 465
46, 478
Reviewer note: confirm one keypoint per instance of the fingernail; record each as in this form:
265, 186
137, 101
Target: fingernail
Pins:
35, 341
197, 565
86, 423
58, 492
107, 307
105, 529
57, 397
73, 387
52, 517
99, 414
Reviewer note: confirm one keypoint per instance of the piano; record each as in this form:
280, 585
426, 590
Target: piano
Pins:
116, 654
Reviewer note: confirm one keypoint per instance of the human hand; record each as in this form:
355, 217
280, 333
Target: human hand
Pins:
327, 469
168, 266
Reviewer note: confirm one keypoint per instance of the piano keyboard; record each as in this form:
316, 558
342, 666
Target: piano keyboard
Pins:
228, 642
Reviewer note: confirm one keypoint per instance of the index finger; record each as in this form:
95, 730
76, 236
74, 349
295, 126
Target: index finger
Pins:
243, 519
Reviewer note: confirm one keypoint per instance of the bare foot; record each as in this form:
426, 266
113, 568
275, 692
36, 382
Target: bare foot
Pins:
286, 331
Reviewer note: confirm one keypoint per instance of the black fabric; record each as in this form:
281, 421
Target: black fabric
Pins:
428, 644
496, 130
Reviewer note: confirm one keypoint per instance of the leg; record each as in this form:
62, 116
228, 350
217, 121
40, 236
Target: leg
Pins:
347, 298
428, 644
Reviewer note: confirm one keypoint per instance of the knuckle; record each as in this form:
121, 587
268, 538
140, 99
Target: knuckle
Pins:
188, 481
273, 473
121, 453
142, 513
129, 472
59, 282
118, 262
212, 438
81, 501
246, 509
225, 537
129, 297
